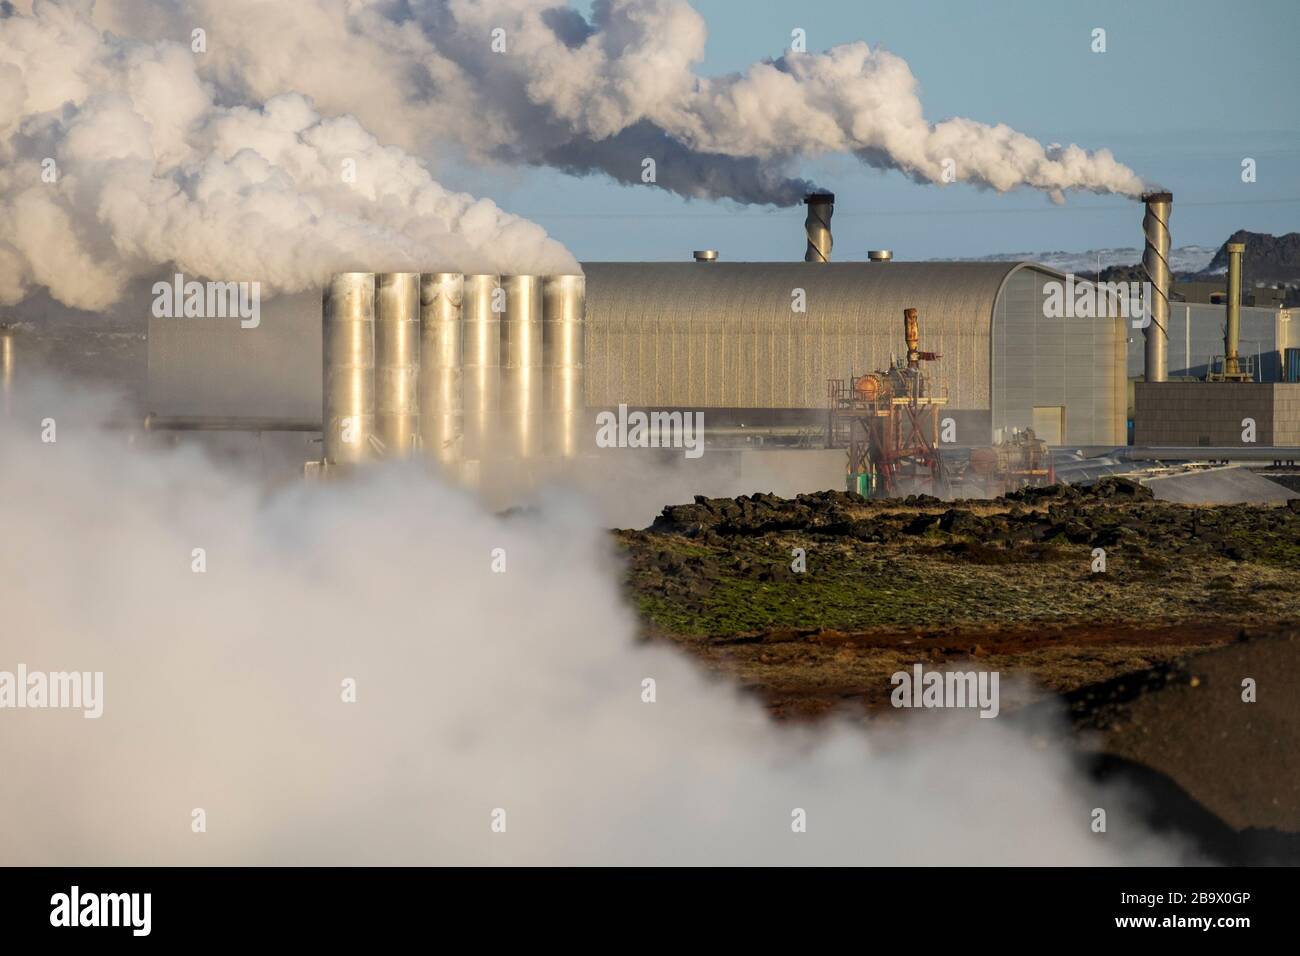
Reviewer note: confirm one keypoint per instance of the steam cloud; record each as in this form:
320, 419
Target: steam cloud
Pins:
153, 168
228, 163
600, 96
475, 691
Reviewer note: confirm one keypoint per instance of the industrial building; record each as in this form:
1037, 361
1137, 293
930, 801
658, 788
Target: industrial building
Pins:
752, 345
755, 346
724, 337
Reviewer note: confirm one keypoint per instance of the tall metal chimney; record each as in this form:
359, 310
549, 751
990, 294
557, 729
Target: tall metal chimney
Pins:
1232, 334
442, 414
1155, 262
397, 362
818, 226
348, 337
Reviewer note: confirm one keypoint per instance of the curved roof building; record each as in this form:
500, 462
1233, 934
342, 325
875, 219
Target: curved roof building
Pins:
751, 336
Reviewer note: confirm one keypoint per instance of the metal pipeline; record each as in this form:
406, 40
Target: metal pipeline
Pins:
397, 362
1264, 453
521, 365
818, 226
1155, 262
348, 339
227, 423
442, 412
564, 310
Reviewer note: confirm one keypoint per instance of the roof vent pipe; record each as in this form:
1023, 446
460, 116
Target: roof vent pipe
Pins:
880, 255
818, 226
706, 255
1155, 263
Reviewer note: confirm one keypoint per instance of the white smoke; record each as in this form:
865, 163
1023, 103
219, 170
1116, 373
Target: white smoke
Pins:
228, 160
601, 96
475, 691
117, 158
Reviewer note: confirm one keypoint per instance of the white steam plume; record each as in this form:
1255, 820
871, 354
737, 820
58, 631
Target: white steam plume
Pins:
152, 167
475, 691
600, 96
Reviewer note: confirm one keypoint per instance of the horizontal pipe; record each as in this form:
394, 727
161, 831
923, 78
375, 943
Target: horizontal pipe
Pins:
228, 423
1200, 453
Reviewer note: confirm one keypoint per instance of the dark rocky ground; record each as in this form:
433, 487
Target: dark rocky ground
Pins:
1145, 658
724, 566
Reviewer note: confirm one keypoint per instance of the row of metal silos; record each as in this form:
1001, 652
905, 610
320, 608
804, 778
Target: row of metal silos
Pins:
462, 368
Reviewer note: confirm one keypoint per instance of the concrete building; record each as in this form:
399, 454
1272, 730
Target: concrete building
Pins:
1204, 292
1217, 414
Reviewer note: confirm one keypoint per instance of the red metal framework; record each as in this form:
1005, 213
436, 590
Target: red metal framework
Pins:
889, 422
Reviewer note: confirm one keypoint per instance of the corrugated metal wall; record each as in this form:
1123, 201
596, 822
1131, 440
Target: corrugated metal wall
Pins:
1045, 362
1196, 336
724, 335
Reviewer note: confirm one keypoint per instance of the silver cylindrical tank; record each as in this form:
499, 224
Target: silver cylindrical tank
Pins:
1155, 262
397, 362
521, 366
441, 412
482, 308
348, 346
564, 310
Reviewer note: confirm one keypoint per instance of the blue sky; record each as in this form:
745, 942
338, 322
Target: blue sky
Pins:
1227, 86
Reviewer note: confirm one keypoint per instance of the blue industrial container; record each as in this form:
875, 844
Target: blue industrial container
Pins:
1291, 366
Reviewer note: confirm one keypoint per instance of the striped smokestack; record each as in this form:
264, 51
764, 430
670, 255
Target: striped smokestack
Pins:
1155, 263
818, 226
